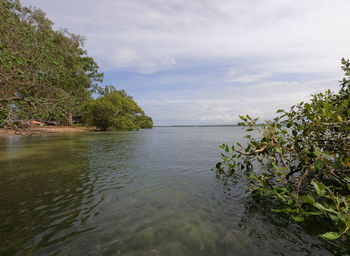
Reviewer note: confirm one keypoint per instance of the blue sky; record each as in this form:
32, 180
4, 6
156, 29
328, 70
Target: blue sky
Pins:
208, 61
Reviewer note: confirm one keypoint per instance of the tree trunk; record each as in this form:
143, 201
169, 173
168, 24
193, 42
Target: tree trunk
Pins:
70, 119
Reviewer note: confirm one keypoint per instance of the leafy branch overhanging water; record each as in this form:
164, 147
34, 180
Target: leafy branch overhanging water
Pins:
304, 155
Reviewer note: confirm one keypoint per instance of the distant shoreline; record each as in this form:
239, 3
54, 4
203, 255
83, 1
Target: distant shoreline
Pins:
39, 130
44, 130
209, 125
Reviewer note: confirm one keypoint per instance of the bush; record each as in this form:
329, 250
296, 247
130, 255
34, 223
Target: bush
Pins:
115, 110
304, 155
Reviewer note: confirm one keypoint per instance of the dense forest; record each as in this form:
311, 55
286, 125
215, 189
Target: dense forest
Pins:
303, 160
47, 76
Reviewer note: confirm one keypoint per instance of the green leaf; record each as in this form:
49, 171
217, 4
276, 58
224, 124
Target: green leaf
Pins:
275, 166
316, 187
253, 177
333, 217
318, 165
280, 196
314, 213
243, 118
308, 199
346, 103
331, 235
320, 206
340, 118
297, 218
280, 211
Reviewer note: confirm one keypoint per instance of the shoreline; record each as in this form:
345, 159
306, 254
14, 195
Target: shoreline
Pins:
29, 131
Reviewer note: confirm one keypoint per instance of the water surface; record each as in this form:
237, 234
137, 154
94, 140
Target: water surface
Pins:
150, 192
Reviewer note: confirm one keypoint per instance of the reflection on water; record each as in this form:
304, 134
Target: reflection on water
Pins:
136, 193
45, 187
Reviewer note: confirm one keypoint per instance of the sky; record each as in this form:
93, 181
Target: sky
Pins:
192, 62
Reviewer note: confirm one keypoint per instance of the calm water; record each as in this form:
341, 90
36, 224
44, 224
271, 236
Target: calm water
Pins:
150, 192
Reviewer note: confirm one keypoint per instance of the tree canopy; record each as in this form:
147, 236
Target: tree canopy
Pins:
115, 109
46, 75
303, 158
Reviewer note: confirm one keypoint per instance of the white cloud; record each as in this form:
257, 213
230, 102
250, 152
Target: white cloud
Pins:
249, 78
257, 39
307, 35
231, 73
224, 106
129, 59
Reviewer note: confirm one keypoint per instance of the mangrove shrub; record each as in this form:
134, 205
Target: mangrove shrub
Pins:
44, 74
115, 110
301, 159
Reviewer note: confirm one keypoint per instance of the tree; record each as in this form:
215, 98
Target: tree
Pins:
44, 74
304, 158
116, 110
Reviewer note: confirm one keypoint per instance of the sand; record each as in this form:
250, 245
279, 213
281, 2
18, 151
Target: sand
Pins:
44, 130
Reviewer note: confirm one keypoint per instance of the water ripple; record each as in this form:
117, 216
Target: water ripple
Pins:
136, 193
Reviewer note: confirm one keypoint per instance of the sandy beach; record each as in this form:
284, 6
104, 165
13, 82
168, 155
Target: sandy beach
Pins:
44, 130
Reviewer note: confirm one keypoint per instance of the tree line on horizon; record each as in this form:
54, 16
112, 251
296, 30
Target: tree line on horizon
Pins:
46, 75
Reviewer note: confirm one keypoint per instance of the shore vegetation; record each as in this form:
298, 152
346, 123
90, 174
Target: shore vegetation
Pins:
301, 159
47, 76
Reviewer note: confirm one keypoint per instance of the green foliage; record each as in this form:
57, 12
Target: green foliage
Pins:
144, 122
115, 110
44, 74
304, 158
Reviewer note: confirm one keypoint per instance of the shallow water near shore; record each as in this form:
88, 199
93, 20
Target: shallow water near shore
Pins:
150, 192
